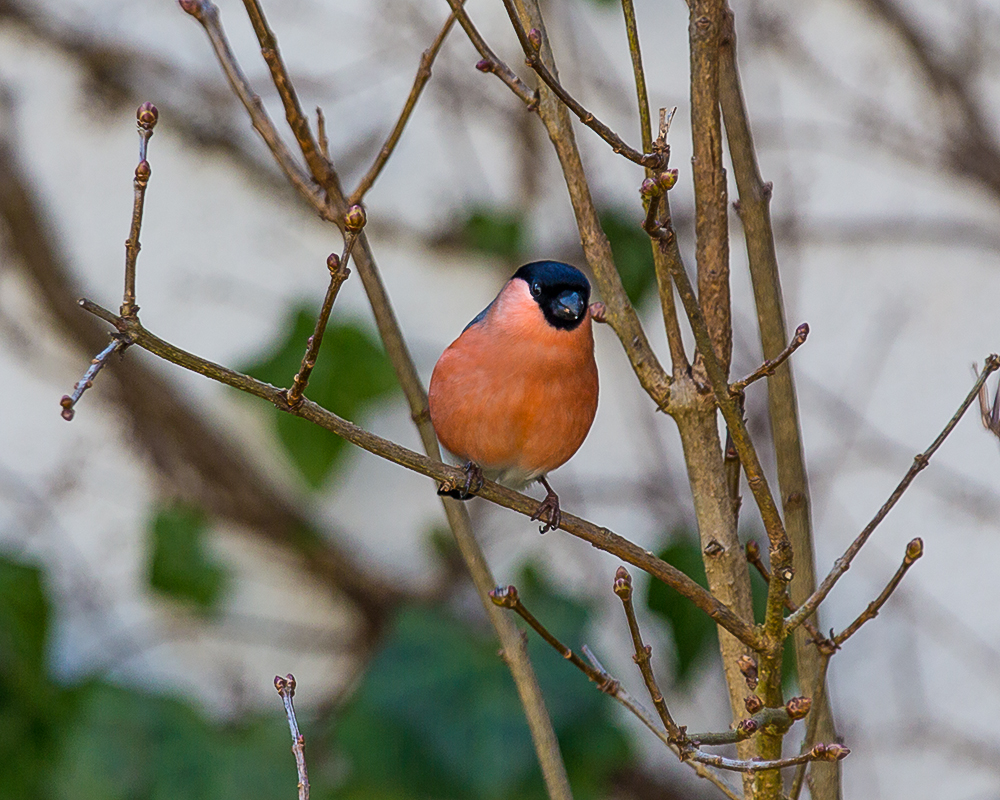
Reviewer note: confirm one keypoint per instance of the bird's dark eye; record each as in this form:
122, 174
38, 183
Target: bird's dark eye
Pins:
536, 289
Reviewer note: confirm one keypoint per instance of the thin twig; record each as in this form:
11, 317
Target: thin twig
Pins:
619, 693
531, 44
324, 142
623, 588
914, 550
813, 723
297, 121
600, 537
286, 688
490, 61
145, 117
68, 402
338, 274
820, 752
770, 366
632, 31
990, 413
207, 14
920, 461
423, 75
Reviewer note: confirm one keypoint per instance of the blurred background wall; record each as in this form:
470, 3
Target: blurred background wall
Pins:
172, 549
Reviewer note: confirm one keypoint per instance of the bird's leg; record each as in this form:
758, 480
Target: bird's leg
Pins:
548, 508
473, 483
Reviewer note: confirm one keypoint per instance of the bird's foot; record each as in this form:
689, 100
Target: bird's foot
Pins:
462, 491
548, 510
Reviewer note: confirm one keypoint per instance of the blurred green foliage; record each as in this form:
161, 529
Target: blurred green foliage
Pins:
494, 232
436, 715
441, 701
352, 373
692, 631
632, 251
179, 563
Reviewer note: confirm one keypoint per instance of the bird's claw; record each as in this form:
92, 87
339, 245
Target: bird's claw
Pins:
473, 483
548, 511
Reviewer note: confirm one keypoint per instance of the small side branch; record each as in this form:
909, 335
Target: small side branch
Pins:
145, 116
821, 752
69, 401
423, 75
989, 413
623, 588
753, 556
531, 43
286, 688
492, 63
769, 367
920, 461
914, 550
338, 274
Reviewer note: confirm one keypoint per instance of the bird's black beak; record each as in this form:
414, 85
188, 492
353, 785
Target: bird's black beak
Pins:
568, 305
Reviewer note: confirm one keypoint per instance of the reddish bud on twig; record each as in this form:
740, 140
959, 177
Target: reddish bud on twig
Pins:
798, 707
535, 39
147, 115
649, 187
598, 312
505, 598
192, 7
143, 171
914, 550
67, 408
667, 179
802, 332
753, 704
747, 728
285, 685
749, 669
623, 584
829, 752
333, 262
355, 219
485, 65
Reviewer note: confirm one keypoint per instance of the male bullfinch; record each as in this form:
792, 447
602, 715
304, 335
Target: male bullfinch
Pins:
515, 395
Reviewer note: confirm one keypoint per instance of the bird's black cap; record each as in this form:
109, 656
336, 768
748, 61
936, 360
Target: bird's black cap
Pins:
562, 291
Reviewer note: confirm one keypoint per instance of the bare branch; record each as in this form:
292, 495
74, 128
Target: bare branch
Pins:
423, 75
68, 402
919, 463
531, 43
771, 365
146, 116
286, 688
600, 537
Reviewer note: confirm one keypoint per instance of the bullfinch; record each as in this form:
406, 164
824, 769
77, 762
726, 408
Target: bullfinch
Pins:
515, 394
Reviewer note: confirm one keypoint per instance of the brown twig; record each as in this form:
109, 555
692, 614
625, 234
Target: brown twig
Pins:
632, 31
338, 274
324, 142
821, 752
990, 413
423, 75
297, 121
68, 402
490, 61
919, 463
145, 117
771, 365
914, 550
623, 588
286, 688
531, 42
600, 537
619, 693
813, 723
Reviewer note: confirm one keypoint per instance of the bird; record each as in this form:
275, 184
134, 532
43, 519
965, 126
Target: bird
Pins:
515, 395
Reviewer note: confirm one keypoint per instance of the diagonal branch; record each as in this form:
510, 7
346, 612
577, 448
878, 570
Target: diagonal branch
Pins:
920, 461
600, 537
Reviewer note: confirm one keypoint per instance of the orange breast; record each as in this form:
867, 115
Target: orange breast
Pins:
514, 394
